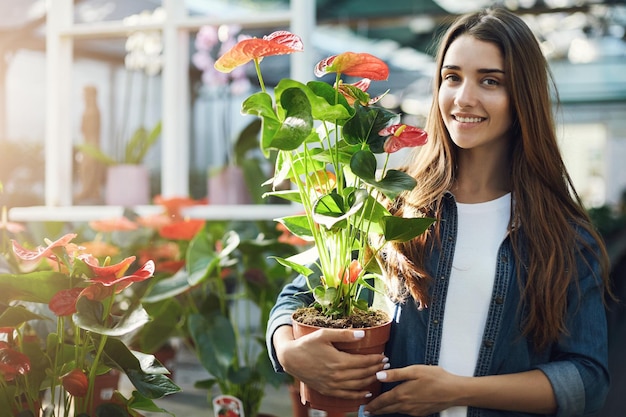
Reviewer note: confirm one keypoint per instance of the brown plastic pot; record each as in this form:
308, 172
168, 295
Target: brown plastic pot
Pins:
373, 342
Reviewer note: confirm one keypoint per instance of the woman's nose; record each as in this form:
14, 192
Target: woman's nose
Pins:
465, 95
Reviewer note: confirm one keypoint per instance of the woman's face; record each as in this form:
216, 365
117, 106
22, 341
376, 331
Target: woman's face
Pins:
473, 98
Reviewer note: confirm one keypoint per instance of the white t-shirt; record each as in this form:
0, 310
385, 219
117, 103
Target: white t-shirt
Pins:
481, 230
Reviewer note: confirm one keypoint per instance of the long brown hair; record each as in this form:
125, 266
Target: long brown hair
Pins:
547, 210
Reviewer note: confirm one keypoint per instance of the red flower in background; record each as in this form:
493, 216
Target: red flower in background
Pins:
173, 205
75, 382
113, 225
184, 230
12, 362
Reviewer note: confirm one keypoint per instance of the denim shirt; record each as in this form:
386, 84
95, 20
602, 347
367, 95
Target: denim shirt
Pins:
576, 365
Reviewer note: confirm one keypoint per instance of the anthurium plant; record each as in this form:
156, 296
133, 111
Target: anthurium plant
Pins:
220, 302
326, 139
60, 328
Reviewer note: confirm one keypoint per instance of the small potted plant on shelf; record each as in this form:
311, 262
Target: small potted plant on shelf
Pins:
326, 139
127, 180
62, 329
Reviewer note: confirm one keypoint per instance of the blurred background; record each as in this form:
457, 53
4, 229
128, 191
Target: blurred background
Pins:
82, 74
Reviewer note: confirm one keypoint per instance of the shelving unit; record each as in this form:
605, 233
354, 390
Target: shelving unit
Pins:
61, 32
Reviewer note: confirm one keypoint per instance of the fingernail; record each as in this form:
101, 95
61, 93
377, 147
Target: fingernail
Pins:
386, 366
368, 395
385, 359
380, 375
359, 334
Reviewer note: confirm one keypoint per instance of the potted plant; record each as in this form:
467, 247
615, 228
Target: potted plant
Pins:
127, 179
326, 139
62, 329
220, 302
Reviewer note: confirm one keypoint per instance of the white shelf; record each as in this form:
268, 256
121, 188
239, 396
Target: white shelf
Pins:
248, 212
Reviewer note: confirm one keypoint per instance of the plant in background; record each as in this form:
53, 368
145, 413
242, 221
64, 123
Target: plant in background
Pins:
219, 302
62, 329
326, 139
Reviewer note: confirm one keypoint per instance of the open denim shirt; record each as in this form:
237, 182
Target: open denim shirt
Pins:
576, 364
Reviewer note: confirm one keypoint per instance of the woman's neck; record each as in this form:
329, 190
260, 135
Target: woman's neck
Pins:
481, 178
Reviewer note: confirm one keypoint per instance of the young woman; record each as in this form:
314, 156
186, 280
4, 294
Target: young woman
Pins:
499, 311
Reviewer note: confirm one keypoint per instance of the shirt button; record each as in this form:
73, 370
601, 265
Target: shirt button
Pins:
435, 321
488, 343
499, 300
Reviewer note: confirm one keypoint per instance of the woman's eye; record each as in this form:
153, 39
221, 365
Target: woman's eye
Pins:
491, 81
451, 77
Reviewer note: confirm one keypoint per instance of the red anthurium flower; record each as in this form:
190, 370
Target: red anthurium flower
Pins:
173, 205
63, 303
97, 292
277, 43
354, 270
142, 274
184, 230
362, 65
116, 270
41, 252
113, 225
403, 136
12, 362
75, 382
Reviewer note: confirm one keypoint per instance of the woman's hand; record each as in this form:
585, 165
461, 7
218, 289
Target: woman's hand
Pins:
314, 360
423, 390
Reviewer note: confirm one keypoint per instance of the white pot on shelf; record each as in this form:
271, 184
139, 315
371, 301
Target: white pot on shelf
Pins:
127, 185
228, 186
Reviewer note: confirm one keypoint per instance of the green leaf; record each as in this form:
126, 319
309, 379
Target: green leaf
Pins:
260, 104
298, 225
168, 287
215, 341
298, 123
400, 229
37, 287
140, 402
166, 316
363, 165
15, 316
289, 195
364, 126
300, 269
88, 316
145, 372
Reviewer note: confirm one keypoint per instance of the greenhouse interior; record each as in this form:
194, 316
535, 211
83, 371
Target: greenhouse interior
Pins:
126, 155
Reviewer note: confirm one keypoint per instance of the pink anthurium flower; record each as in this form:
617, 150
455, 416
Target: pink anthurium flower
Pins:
402, 136
277, 43
354, 64
41, 252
